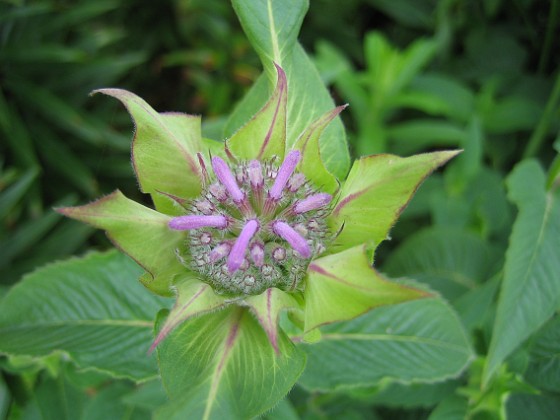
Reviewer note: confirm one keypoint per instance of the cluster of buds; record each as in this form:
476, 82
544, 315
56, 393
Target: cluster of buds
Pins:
256, 226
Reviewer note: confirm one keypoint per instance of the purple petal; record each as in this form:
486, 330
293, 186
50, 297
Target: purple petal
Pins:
223, 173
296, 241
284, 173
312, 202
196, 222
237, 254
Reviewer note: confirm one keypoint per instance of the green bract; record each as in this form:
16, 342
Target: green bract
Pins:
220, 327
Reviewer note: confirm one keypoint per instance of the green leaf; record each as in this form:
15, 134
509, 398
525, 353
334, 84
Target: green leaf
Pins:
311, 164
530, 292
377, 190
451, 408
418, 341
308, 98
450, 261
221, 365
267, 308
544, 358
264, 136
5, 399
140, 232
56, 399
344, 285
272, 27
163, 150
523, 406
91, 309
193, 298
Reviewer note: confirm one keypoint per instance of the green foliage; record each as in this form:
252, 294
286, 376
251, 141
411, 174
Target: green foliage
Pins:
480, 236
91, 309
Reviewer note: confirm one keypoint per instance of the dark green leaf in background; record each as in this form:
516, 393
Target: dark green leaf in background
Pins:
222, 365
530, 292
92, 309
417, 341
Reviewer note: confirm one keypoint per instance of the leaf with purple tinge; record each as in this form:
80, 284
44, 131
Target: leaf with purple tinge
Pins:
343, 286
311, 164
267, 308
266, 130
222, 366
375, 193
139, 231
193, 298
163, 150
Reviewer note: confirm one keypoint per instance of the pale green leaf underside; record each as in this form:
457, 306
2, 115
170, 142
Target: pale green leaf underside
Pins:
264, 136
92, 309
272, 28
164, 150
343, 286
530, 291
416, 341
193, 298
377, 190
140, 232
228, 369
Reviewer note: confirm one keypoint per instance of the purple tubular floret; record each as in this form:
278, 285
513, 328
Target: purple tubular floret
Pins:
197, 222
237, 253
313, 202
296, 241
223, 173
284, 174
255, 174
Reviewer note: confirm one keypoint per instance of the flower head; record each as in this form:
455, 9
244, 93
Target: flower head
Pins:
261, 222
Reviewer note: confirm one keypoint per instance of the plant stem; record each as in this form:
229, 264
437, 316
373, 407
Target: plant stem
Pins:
550, 30
539, 134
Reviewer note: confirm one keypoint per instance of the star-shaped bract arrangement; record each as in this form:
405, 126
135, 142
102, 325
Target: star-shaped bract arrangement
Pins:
261, 223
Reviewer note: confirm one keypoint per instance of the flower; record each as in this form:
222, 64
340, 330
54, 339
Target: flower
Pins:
260, 223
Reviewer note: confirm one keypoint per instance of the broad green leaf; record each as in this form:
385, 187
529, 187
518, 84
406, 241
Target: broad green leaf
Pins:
308, 100
163, 150
412, 136
451, 408
56, 399
399, 395
140, 232
417, 341
272, 27
377, 190
530, 292
458, 99
450, 261
264, 136
91, 309
544, 358
193, 298
221, 365
343, 286
267, 308
5, 399
521, 406
108, 403
311, 164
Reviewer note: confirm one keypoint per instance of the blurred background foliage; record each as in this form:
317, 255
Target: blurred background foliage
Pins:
482, 75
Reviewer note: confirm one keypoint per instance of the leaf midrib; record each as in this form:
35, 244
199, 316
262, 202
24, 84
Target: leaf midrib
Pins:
399, 338
94, 322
